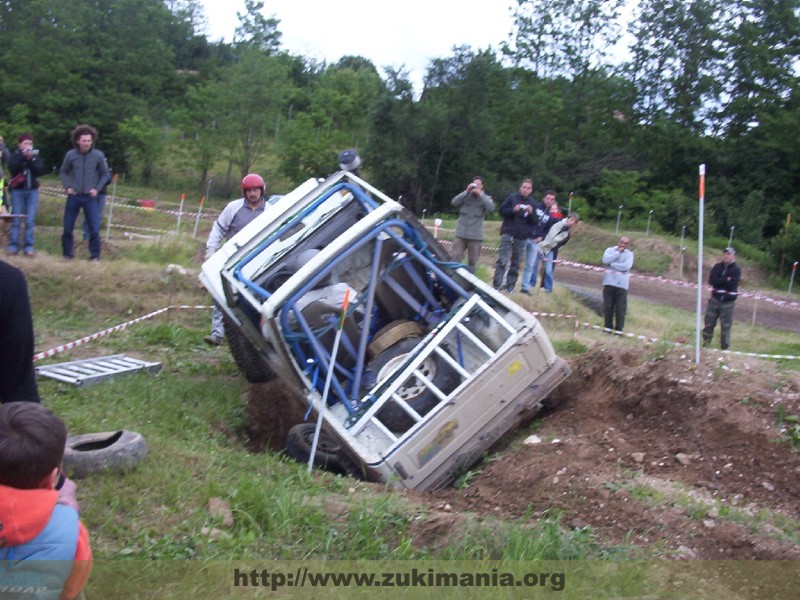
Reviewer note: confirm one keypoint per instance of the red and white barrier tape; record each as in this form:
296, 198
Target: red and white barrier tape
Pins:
105, 332
653, 340
790, 304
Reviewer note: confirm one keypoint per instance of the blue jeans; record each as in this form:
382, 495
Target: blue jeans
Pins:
531, 271
101, 205
23, 202
75, 203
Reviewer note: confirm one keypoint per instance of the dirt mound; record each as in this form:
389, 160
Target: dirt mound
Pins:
681, 460
685, 461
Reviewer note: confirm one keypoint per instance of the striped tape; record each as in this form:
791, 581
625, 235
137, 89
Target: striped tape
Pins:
105, 332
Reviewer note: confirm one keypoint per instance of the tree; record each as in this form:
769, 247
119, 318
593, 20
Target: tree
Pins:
564, 37
675, 61
257, 31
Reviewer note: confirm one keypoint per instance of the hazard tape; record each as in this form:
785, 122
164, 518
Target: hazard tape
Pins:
123, 202
105, 332
790, 304
653, 340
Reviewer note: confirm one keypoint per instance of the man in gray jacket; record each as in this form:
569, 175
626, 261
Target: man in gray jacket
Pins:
472, 204
618, 261
83, 173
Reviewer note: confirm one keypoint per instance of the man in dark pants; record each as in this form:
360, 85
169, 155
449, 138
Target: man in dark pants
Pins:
83, 173
618, 261
18, 379
519, 221
724, 280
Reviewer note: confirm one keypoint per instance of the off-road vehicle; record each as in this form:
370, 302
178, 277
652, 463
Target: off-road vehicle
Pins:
416, 365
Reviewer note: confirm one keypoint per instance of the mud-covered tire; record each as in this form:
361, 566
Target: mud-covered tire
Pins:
107, 451
416, 394
329, 455
250, 362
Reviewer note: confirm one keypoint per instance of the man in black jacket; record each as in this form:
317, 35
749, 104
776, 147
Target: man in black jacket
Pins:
519, 221
724, 280
25, 167
18, 377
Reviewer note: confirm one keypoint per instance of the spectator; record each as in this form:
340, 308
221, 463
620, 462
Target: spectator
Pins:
16, 338
38, 510
101, 205
230, 222
618, 261
24, 167
557, 237
543, 220
83, 173
472, 204
518, 223
724, 280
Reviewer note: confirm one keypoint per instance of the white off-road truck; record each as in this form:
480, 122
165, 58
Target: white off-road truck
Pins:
416, 365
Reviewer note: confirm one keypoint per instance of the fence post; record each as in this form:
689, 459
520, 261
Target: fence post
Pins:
197, 220
180, 214
111, 208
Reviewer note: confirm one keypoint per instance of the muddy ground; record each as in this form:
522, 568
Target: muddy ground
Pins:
650, 451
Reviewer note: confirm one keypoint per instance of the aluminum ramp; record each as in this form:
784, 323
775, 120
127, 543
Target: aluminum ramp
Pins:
94, 370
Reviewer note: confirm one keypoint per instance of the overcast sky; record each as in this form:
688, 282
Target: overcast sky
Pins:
406, 32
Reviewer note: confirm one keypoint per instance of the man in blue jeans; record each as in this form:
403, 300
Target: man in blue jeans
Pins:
83, 173
25, 167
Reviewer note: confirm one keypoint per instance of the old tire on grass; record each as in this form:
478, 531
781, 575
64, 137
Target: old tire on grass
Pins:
107, 451
250, 362
413, 391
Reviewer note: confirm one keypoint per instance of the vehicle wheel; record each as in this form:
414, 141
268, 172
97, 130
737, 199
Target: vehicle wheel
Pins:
298, 446
413, 391
95, 452
250, 362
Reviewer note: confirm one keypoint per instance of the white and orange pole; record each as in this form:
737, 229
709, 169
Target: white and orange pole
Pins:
702, 198
326, 389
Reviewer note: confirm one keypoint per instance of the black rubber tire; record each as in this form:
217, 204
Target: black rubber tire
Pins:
250, 362
420, 398
107, 451
298, 447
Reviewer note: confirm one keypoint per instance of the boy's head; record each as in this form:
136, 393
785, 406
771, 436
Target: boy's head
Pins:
32, 440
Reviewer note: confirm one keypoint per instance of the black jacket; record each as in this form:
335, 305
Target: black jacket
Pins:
31, 168
725, 277
520, 224
18, 381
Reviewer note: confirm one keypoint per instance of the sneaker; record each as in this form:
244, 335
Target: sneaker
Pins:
524, 291
29, 253
94, 259
12, 252
213, 340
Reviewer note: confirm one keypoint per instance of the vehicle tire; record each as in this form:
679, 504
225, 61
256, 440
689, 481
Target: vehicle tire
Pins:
419, 397
392, 333
298, 446
107, 451
250, 362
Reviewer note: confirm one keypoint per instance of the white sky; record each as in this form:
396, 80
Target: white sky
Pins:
399, 33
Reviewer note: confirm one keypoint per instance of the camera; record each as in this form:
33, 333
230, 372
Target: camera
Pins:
472, 186
34, 151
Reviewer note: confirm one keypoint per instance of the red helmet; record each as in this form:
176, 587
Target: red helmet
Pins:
252, 181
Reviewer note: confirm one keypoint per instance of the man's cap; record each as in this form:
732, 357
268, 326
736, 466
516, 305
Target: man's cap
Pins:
729, 250
24, 136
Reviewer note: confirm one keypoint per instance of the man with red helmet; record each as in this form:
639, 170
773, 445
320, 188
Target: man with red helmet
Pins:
231, 221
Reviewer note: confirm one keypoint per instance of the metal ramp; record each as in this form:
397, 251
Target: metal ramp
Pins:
94, 370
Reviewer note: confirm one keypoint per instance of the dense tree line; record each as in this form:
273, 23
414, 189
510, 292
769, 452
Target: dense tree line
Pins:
706, 81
